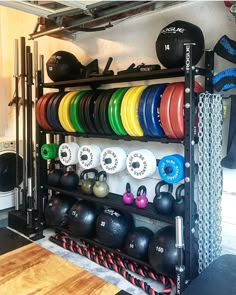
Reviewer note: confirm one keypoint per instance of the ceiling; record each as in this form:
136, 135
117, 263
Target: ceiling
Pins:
62, 19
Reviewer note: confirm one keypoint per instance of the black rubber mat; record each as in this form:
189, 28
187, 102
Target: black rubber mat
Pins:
218, 278
9, 240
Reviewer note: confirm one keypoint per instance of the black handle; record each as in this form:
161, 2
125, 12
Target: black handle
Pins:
84, 157
108, 161
64, 154
142, 190
162, 183
103, 174
179, 192
87, 171
128, 188
135, 165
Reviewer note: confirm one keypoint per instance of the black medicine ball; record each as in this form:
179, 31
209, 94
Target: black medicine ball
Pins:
112, 227
57, 209
64, 66
137, 242
82, 218
162, 253
170, 47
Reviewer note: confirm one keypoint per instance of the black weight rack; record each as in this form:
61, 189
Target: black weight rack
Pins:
189, 71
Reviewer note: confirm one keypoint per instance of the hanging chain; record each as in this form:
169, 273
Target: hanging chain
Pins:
210, 177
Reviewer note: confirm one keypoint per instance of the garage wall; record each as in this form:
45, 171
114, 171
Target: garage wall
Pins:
129, 41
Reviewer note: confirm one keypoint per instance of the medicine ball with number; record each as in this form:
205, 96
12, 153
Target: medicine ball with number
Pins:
82, 218
137, 242
162, 253
170, 47
64, 66
112, 227
57, 209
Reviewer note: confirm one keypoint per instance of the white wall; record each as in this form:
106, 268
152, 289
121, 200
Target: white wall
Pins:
129, 41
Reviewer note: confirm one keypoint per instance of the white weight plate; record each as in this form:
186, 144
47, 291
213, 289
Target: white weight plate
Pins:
89, 156
113, 160
141, 163
68, 153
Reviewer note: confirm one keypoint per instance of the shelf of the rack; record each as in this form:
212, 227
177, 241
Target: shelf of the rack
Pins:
115, 201
129, 77
116, 137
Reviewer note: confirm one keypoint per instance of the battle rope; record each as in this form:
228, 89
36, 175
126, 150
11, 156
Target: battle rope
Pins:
114, 262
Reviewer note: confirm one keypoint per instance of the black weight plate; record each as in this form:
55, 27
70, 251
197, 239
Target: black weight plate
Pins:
89, 111
82, 104
104, 112
49, 113
96, 113
54, 111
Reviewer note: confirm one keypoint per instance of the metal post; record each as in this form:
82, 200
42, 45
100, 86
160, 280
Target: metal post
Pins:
209, 66
41, 167
16, 75
180, 268
30, 197
24, 189
189, 143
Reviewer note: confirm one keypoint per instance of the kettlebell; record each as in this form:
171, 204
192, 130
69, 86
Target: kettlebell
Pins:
54, 177
69, 180
179, 204
86, 182
163, 201
101, 188
141, 201
128, 197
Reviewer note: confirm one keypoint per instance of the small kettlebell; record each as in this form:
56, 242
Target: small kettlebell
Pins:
163, 201
69, 180
141, 201
128, 197
179, 204
54, 177
101, 188
86, 182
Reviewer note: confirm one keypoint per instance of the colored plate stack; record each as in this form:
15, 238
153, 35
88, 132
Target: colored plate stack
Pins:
172, 109
151, 111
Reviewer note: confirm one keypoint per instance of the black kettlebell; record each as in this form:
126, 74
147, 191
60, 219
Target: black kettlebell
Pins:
179, 204
86, 182
54, 177
101, 188
163, 201
69, 180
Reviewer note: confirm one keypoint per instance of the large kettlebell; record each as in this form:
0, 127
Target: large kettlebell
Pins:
179, 204
69, 180
141, 201
128, 197
163, 201
86, 182
54, 177
101, 188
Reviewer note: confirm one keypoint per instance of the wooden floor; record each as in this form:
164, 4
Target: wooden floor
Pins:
32, 269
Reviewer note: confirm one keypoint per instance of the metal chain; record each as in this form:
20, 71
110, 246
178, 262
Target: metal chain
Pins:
209, 177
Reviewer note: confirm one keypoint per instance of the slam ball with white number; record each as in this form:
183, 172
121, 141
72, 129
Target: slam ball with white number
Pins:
170, 44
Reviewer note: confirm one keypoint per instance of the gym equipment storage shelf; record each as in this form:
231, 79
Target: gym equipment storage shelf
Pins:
130, 77
116, 137
115, 200
188, 73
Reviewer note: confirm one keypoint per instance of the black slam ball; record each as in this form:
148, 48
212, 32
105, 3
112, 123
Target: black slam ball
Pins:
162, 253
57, 209
112, 227
64, 66
137, 242
82, 218
170, 47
